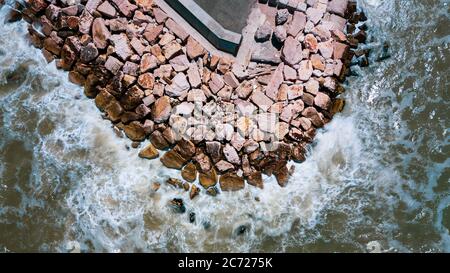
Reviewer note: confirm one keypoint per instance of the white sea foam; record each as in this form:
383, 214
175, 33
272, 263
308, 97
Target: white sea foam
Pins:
346, 185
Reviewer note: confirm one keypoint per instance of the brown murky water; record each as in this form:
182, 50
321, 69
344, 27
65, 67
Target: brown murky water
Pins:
376, 178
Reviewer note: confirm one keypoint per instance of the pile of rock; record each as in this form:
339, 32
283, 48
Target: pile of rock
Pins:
219, 122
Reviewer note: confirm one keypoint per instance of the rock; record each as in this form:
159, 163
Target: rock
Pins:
237, 141
231, 182
149, 152
92, 5
231, 80
179, 86
267, 122
194, 192
290, 74
121, 46
282, 16
196, 95
305, 71
195, 80
177, 203
177, 29
125, 7
189, 172
224, 166
100, 33
263, 32
194, 49
152, 33
292, 51
137, 45
214, 149
255, 179
311, 43
323, 101
312, 86
203, 162
295, 91
130, 68
85, 22
224, 65
216, 83
171, 49
326, 49
338, 7
317, 62
244, 90
180, 63
313, 115
340, 51
155, 186
282, 176
88, 53
173, 160
261, 100
314, 15
146, 80
148, 62
132, 98
160, 16
113, 65
280, 34
107, 10
161, 109
208, 179
184, 109
135, 131
231, 155
275, 82
297, 24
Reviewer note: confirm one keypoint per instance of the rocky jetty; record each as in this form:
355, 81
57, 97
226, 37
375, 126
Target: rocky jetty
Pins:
221, 124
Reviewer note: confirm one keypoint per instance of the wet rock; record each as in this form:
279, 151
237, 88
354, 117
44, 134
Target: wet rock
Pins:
177, 204
208, 179
149, 152
88, 53
173, 160
231, 182
135, 131
189, 172
255, 179
193, 193
282, 176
